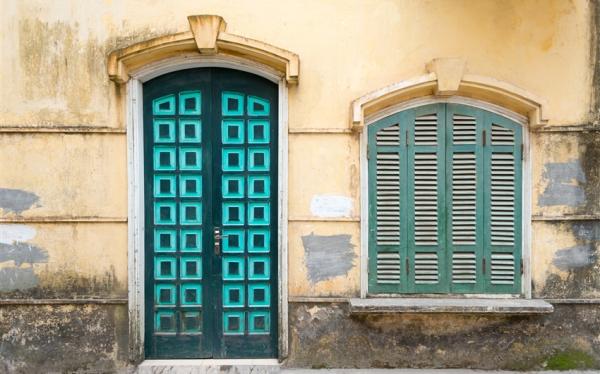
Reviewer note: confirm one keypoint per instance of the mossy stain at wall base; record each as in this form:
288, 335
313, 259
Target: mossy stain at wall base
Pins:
571, 359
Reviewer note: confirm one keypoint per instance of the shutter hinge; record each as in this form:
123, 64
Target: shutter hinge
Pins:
407, 267
368, 154
483, 264
522, 148
522, 271
406, 138
483, 137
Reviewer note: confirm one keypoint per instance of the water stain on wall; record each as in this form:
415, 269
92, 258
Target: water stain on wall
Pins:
16, 201
565, 180
327, 256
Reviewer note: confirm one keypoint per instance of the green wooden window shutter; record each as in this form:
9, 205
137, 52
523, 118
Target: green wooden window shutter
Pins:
502, 243
426, 222
445, 199
387, 228
464, 191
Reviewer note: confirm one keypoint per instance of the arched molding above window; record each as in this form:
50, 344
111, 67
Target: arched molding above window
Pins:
207, 37
446, 78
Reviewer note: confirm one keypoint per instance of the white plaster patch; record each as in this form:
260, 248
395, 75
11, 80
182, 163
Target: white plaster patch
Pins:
331, 206
10, 234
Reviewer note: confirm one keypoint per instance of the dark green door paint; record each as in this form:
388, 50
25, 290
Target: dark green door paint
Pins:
211, 215
444, 202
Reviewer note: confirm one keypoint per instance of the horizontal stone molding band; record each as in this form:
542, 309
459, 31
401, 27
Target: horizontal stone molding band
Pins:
108, 301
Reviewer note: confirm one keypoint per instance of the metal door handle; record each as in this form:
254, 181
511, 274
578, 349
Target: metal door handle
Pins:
217, 236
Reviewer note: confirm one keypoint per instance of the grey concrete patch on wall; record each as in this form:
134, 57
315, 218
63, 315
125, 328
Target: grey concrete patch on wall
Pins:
12, 279
564, 184
575, 257
17, 201
327, 256
17, 277
22, 253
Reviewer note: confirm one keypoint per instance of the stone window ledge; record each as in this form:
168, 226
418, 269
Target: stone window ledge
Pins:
448, 305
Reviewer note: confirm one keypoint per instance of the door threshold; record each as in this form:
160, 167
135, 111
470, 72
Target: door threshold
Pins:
200, 366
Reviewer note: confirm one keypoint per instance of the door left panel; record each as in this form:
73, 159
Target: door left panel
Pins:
177, 235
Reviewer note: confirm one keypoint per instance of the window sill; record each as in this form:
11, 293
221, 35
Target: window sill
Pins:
447, 305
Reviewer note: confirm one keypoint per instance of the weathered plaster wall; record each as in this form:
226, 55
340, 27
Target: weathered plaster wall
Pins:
63, 197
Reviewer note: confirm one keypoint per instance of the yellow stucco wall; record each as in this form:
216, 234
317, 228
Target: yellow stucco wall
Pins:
53, 73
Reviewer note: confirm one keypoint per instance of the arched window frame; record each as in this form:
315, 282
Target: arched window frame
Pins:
521, 119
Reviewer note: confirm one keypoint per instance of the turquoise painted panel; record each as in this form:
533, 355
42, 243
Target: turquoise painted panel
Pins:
259, 322
165, 295
234, 323
259, 186
165, 267
165, 322
191, 322
258, 131
165, 185
233, 214
190, 103
232, 104
233, 295
164, 213
233, 241
259, 268
232, 186
190, 213
164, 158
191, 240
259, 214
258, 241
190, 131
259, 295
259, 159
165, 240
164, 106
191, 294
233, 159
258, 106
164, 130
190, 158
191, 267
190, 186
232, 131
233, 268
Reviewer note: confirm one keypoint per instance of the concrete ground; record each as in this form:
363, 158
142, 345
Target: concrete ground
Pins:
424, 371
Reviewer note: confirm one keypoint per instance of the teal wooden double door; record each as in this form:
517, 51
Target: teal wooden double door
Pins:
210, 137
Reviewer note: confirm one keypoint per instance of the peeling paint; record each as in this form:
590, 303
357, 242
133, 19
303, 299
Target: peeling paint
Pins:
331, 206
16, 201
575, 257
564, 184
327, 256
16, 233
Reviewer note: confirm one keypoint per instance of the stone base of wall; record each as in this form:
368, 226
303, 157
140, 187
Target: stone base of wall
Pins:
63, 338
328, 336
